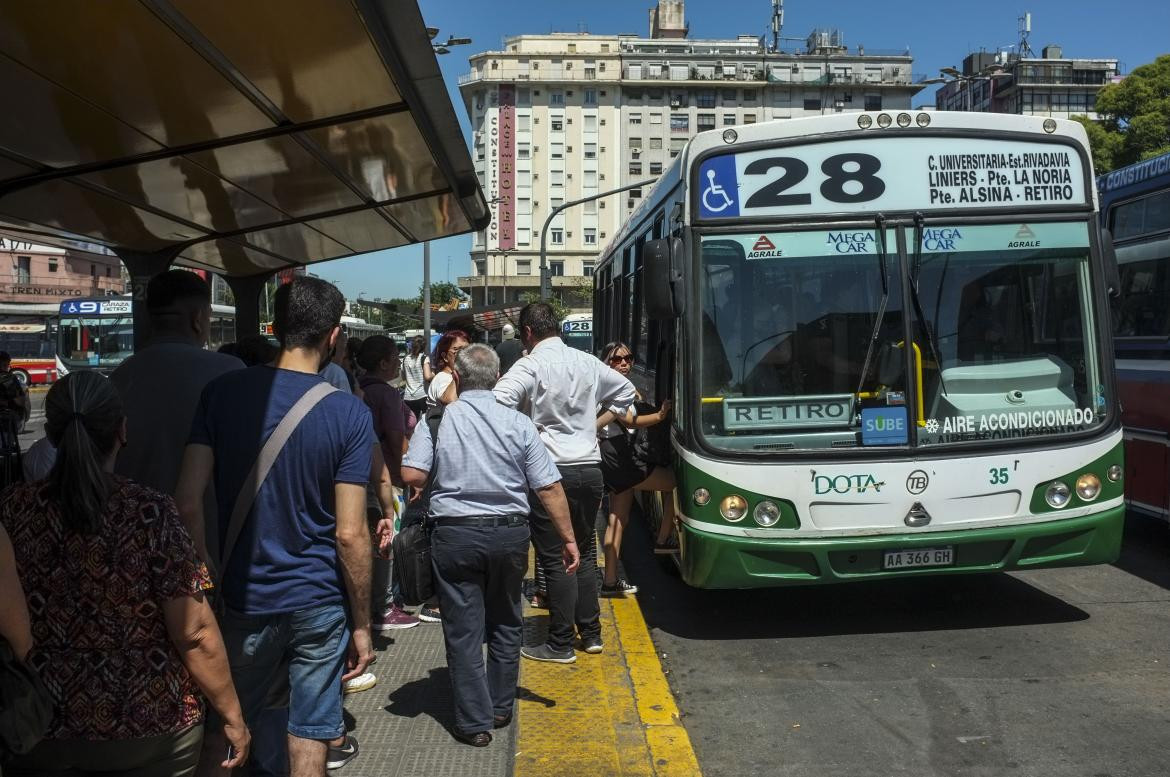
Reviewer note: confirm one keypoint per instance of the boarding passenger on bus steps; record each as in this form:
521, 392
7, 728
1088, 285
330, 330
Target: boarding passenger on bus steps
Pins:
489, 465
560, 388
160, 384
625, 472
296, 583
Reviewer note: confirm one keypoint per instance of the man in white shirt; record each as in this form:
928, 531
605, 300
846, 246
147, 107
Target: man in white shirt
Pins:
561, 389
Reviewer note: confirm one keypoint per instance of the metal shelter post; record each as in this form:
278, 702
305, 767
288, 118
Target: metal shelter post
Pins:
426, 295
247, 292
545, 278
142, 268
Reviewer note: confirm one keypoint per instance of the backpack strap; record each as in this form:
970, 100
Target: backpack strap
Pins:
260, 469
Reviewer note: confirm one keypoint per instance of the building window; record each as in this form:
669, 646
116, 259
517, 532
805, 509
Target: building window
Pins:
591, 208
590, 94
728, 119
558, 125
635, 118
93, 271
523, 151
655, 143
556, 150
107, 272
587, 268
591, 151
635, 194
524, 267
655, 94
749, 118
52, 264
655, 168
636, 143
680, 122
24, 270
812, 103
590, 123
481, 267
590, 72
729, 95
873, 102
635, 168
656, 118
590, 236
556, 177
590, 179
556, 98
556, 269
705, 121
749, 95
706, 99
633, 94
557, 236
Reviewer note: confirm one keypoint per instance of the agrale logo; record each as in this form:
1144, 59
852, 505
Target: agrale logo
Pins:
764, 249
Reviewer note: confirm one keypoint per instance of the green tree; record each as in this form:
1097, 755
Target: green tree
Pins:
1135, 117
443, 292
560, 309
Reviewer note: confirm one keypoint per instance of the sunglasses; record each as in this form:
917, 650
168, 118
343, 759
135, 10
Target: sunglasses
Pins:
628, 359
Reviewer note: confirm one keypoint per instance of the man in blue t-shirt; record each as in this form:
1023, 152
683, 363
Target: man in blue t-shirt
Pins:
296, 584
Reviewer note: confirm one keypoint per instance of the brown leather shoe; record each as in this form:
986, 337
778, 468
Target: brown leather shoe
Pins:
478, 739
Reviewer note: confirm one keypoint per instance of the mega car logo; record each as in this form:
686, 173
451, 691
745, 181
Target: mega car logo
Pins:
764, 249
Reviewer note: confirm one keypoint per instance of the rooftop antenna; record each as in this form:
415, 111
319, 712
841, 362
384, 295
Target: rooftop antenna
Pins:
1024, 49
777, 23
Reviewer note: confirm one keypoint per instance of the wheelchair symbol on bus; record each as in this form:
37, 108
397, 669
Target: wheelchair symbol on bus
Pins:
715, 191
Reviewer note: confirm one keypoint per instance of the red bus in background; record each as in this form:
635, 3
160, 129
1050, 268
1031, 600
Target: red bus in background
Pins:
1135, 208
29, 334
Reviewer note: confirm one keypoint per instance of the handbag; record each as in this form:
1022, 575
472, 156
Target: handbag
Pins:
652, 443
411, 547
26, 707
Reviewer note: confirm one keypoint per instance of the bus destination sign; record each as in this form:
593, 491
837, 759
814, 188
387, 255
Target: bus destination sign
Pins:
889, 174
93, 307
810, 412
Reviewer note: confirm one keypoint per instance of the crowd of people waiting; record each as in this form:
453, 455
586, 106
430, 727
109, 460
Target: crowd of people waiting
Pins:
196, 566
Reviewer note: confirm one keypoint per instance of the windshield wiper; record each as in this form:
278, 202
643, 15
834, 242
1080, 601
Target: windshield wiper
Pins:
915, 267
880, 226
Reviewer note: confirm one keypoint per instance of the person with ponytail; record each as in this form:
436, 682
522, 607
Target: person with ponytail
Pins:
123, 635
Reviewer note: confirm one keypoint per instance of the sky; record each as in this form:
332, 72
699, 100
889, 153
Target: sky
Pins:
938, 35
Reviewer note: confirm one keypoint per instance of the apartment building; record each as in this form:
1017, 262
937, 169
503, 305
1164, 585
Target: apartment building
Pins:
564, 116
1049, 85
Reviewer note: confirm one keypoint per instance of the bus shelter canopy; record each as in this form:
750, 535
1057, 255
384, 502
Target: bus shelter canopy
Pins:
238, 137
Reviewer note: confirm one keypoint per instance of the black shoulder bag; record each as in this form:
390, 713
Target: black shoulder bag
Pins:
26, 707
411, 547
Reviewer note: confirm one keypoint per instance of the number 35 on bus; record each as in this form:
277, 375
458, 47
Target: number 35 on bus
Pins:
886, 336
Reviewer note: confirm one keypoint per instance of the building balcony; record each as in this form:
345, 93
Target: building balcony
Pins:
512, 75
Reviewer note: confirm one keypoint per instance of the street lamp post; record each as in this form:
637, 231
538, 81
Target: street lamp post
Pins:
545, 278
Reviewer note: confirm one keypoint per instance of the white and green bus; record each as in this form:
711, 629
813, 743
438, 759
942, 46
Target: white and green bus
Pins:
886, 336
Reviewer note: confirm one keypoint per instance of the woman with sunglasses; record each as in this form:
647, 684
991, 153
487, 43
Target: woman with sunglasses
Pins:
625, 473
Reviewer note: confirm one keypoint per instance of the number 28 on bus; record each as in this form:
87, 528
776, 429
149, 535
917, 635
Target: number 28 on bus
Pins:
886, 337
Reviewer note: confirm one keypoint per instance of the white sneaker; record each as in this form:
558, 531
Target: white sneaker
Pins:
363, 682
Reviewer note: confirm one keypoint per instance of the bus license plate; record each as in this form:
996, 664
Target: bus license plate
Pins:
924, 557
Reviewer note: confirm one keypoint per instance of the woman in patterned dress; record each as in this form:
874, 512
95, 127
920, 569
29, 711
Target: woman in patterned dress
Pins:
123, 635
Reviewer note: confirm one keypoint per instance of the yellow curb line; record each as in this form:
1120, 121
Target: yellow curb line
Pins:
669, 744
610, 714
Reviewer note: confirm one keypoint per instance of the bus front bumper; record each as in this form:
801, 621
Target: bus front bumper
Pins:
718, 561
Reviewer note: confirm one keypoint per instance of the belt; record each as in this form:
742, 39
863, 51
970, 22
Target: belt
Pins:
484, 521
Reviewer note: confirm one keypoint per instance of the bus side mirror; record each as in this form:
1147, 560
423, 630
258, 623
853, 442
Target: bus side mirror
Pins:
662, 262
1109, 259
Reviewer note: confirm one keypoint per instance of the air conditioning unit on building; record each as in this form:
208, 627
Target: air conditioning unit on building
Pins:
568, 149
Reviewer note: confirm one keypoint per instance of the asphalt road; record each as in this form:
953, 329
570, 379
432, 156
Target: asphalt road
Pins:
35, 428
1057, 673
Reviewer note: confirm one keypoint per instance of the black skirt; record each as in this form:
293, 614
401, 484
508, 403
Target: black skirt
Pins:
620, 469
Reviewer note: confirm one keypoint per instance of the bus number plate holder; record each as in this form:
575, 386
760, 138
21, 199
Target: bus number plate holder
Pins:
919, 557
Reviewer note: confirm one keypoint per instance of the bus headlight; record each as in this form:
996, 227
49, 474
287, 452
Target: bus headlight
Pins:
1113, 473
885, 120
903, 120
1050, 125
864, 121
733, 507
701, 496
922, 119
767, 513
1057, 494
1088, 486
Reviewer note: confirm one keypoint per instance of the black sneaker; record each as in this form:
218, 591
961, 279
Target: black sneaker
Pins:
591, 645
430, 615
340, 756
620, 588
545, 653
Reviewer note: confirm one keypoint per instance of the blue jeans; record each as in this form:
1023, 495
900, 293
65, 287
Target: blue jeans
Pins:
313, 644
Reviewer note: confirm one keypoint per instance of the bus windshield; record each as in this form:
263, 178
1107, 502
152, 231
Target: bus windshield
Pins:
803, 337
95, 342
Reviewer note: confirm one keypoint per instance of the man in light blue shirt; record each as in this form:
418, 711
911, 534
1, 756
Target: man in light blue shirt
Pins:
487, 460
